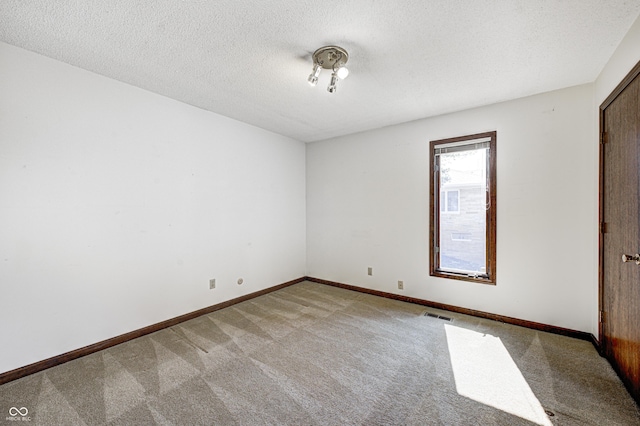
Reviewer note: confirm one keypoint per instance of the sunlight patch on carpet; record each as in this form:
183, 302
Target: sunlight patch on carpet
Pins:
485, 372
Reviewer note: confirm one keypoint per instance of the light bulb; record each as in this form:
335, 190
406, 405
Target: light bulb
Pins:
342, 72
332, 84
313, 77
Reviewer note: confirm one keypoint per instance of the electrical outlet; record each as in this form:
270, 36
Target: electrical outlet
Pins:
401, 285
240, 281
212, 284
369, 270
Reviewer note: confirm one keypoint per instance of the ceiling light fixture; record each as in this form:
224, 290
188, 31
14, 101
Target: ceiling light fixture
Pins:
331, 58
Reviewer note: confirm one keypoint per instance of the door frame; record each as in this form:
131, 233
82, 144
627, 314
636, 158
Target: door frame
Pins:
635, 72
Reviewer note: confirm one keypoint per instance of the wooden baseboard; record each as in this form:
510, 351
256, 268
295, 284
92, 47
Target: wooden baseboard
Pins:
596, 344
509, 320
77, 353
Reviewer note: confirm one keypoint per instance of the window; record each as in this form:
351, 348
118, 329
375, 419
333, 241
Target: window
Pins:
450, 202
463, 208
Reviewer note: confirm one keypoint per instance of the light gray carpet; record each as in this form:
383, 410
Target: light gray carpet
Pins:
311, 354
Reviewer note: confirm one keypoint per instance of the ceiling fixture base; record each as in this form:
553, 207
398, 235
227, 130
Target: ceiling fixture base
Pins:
327, 57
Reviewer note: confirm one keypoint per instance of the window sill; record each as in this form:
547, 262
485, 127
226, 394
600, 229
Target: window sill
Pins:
464, 277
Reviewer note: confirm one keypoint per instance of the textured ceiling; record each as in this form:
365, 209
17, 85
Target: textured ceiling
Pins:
249, 60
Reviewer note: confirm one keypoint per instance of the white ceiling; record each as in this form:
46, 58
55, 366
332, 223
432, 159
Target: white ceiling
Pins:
249, 60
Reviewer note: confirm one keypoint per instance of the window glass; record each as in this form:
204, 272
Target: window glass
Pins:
463, 219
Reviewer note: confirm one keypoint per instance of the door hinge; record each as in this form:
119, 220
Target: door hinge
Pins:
603, 227
603, 316
604, 138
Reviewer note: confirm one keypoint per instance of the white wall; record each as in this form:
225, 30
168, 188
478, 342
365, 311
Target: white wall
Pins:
118, 205
368, 205
625, 57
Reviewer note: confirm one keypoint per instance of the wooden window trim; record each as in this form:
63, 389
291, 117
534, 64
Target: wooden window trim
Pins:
434, 212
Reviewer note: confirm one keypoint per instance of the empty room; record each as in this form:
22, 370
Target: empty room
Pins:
320, 213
